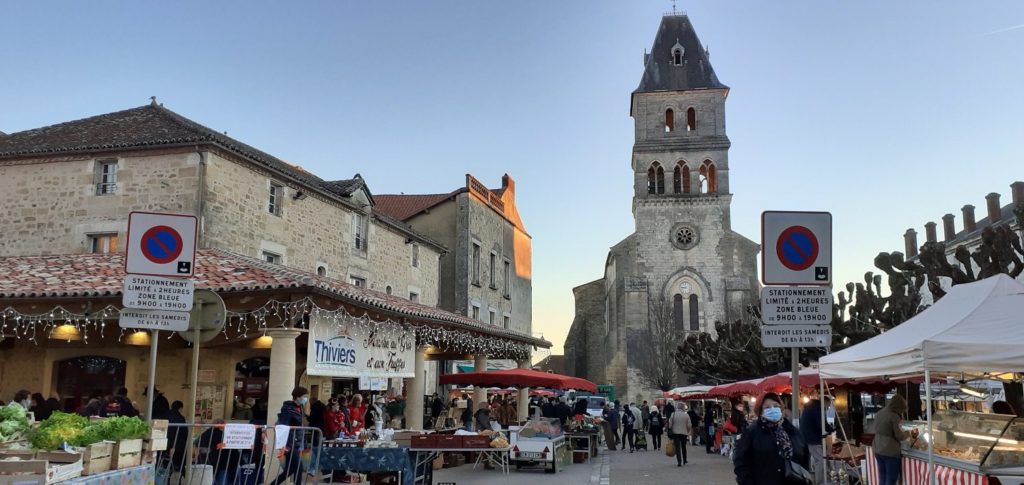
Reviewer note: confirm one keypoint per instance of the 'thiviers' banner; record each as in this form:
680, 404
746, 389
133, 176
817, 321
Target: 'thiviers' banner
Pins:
353, 351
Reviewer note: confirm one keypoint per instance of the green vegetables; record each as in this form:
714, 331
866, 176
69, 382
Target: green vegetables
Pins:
13, 423
76, 430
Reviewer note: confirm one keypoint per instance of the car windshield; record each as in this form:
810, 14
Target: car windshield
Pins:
595, 402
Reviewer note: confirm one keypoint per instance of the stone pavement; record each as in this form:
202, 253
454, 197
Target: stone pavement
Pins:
578, 474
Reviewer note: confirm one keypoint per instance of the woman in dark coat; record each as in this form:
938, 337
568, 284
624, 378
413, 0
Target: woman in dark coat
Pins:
766, 445
656, 427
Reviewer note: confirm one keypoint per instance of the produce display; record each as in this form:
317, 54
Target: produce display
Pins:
13, 423
545, 428
75, 430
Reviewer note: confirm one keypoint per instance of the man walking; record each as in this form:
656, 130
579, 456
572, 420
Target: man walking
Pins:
645, 415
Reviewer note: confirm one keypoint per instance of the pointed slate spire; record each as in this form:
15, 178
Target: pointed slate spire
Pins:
661, 73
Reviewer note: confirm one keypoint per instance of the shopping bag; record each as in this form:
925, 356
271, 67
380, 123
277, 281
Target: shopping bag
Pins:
670, 449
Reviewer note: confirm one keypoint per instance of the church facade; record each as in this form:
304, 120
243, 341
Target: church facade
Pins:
683, 268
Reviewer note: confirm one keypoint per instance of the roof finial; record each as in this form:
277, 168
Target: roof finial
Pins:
152, 100
673, 7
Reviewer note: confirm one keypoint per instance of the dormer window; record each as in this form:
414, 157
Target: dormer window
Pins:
677, 54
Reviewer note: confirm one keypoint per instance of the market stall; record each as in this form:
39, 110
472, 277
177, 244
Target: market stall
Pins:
975, 328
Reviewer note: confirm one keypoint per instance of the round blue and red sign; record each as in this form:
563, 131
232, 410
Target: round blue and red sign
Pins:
161, 244
797, 248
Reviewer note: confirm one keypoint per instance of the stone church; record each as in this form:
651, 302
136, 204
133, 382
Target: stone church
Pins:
683, 268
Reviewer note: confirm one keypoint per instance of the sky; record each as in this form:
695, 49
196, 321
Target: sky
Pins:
887, 114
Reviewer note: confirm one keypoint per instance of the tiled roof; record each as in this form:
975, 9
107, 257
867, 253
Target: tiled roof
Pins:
403, 206
662, 74
102, 275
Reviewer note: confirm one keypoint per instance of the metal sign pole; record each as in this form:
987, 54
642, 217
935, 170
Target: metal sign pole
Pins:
154, 339
192, 388
795, 394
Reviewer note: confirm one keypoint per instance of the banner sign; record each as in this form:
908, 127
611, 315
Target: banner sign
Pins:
354, 351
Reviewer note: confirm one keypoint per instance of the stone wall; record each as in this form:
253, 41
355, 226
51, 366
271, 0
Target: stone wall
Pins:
50, 206
584, 344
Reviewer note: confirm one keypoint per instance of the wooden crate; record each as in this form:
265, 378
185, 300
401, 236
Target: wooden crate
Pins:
424, 441
61, 465
158, 429
96, 458
449, 441
23, 472
126, 454
476, 441
158, 444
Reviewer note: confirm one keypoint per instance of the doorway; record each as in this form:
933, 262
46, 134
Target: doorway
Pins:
81, 378
252, 382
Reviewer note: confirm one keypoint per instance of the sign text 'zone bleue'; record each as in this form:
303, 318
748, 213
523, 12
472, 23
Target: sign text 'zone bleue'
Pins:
796, 305
153, 319
161, 245
156, 293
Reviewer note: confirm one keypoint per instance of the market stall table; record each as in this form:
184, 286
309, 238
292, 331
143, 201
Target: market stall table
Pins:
494, 456
396, 459
136, 475
589, 437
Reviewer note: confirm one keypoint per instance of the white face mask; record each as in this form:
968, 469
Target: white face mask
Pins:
27, 403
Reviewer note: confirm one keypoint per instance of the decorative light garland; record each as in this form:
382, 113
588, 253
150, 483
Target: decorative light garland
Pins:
240, 324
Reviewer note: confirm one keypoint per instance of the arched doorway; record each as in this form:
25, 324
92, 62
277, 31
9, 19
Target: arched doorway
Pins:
252, 380
80, 378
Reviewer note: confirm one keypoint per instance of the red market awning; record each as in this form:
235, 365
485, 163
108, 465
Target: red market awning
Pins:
519, 378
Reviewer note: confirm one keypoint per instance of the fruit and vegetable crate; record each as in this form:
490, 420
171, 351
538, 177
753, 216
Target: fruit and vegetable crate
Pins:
96, 458
126, 454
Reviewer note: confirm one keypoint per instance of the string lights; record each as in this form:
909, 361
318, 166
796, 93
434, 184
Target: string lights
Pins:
273, 314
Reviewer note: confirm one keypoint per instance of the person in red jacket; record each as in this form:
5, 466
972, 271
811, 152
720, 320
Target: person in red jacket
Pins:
356, 414
335, 419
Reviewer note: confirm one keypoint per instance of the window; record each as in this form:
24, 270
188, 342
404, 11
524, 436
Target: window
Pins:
103, 243
491, 317
106, 177
691, 120
708, 184
415, 255
670, 120
493, 269
476, 264
677, 313
475, 312
414, 297
357, 281
321, 270
359, 231
694, 313
508, 278
271, 257
276, 195
677, 56
507, 322
655, 179
681, 178
388, 290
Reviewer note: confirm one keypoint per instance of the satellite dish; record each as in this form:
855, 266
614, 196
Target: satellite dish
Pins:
208, 315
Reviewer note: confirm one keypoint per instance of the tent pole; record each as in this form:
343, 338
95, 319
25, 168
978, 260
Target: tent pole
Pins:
928, 411
824, 426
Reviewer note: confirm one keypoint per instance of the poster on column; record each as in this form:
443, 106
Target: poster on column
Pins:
357, 351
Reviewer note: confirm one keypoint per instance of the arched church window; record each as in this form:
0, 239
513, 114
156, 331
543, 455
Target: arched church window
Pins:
691, 120
670, 120
677, 313
681, 178
656, 179
708, 184
694, 313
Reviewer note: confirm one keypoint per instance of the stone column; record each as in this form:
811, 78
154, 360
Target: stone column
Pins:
523, 401
282, 369
414, 392
479, 393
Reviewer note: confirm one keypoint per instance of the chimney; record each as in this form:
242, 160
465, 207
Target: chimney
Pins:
1017, 189
929, 232
969, 224
948, 231
508, 184
994, 209
910, 242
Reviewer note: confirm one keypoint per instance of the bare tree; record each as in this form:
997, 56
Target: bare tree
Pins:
657, 348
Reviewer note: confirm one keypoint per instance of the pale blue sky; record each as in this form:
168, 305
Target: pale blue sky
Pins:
888, 114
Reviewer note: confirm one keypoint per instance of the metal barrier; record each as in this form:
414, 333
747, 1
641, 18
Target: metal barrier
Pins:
197, 454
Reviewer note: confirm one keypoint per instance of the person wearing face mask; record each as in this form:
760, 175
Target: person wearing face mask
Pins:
766, 445
22, 398
291, 415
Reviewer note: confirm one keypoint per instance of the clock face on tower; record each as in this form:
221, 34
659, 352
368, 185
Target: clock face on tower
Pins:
684, 288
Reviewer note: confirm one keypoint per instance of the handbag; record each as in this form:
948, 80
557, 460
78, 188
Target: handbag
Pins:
796, 474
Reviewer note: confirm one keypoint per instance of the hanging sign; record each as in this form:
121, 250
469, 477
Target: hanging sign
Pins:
356, 351
161, 244
239, 436
796, 304
153, 319
156, 293
796, 248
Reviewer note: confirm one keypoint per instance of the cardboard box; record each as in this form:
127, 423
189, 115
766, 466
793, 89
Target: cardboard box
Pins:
126, 454
158, 429
23, 472
404, 438
62, 465
96, 458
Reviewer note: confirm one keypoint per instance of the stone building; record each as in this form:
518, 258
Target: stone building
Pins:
270, 235
486, 272
683, 268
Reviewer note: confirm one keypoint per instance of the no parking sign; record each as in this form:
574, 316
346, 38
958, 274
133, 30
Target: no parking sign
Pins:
796, 248
161, 244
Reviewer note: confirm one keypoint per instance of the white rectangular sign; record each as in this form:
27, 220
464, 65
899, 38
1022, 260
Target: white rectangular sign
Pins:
796, 248
239, 436
356, 351
153, 319
156, 293
796, 305
796, 335
161, 244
